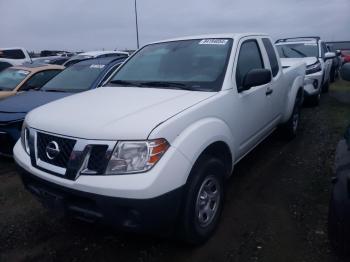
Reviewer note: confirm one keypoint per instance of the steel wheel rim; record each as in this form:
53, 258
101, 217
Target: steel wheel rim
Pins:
208, 201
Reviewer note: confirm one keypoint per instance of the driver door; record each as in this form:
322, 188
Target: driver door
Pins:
253, 104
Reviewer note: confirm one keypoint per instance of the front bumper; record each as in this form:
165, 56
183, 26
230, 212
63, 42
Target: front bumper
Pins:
156, 215
313, 84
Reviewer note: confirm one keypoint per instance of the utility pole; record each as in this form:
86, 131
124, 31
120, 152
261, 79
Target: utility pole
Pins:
137, 26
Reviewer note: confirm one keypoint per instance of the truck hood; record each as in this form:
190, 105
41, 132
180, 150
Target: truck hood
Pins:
26, 101
113, 113
287, 62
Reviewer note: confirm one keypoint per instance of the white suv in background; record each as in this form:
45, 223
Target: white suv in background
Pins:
313, 51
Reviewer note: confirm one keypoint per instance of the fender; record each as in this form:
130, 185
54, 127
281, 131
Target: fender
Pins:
298, 84
195, 138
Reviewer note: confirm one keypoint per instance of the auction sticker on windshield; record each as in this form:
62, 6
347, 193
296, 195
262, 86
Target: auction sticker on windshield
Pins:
213, 42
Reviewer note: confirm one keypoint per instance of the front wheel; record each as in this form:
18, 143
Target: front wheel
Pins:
315, 99
203, 201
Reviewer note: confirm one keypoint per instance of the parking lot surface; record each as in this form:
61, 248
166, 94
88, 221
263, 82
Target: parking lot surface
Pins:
276, 207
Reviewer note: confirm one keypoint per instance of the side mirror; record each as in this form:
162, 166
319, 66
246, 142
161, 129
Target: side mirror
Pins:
256, 77
329, 55
345, 72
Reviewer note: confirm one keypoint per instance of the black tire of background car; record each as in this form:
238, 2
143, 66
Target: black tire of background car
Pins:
339, 226
315, 99
332, 75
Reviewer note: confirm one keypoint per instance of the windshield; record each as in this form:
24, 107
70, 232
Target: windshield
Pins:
298, 50
10, 78
79, 77
189, 64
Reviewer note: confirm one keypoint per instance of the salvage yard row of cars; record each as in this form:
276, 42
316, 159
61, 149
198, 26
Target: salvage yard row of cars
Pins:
151, 149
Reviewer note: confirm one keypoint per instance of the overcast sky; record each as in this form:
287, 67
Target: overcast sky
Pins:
91, 25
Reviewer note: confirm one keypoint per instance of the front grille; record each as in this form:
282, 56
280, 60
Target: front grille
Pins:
65, 145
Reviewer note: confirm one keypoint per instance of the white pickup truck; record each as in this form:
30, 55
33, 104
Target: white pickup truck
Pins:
151, 150
14, 56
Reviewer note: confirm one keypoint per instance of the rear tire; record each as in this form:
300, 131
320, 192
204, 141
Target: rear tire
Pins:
290, 128
203, 200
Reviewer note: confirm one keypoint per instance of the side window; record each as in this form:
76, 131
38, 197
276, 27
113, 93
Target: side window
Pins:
272, 56
38, 80
249, 58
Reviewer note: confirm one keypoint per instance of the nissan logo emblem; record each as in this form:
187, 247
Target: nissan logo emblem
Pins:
52, 150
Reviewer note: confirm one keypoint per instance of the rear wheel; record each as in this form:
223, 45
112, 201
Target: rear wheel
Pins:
203, 201
290, 128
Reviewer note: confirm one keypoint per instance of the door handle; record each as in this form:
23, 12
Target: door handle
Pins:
269, 91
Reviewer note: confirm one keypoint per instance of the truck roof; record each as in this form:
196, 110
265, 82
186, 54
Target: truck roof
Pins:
223, 35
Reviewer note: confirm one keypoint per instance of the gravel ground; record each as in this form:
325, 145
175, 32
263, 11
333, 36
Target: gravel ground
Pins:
276, 207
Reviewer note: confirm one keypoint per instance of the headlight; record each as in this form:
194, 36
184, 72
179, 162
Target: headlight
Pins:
25, 138
311, 69
136, 156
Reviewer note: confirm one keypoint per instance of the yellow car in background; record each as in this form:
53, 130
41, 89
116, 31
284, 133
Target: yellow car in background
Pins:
23, 78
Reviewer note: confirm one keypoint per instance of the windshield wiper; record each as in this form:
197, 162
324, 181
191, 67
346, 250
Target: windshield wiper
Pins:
123, 83
298, 52
176, 85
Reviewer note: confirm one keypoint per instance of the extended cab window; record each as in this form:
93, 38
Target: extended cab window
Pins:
249, 58
12, 54
272, 56
198, 65
38, 80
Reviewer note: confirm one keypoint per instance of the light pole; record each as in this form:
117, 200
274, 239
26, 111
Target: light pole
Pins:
137, 26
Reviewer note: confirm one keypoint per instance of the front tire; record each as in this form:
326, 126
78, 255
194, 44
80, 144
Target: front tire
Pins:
203, 200
315, 99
